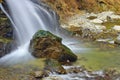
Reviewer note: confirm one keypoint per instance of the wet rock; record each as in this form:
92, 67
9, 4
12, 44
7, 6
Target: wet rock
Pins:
5, 48
54, 66
117, 41
40, 74
75, 70
6, 35
111, 74
46, 45
53, 78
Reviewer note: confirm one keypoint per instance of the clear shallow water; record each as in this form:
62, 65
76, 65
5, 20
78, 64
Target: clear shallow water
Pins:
100, 59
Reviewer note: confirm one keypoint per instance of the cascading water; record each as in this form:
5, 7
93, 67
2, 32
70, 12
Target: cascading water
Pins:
27, 18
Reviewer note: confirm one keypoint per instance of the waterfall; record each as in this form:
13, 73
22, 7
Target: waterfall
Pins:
27, 17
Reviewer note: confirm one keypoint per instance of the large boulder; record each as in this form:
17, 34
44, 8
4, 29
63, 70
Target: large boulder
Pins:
46, 45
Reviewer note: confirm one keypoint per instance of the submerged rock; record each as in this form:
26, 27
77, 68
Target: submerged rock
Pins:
40, 74
46, 45
54, 66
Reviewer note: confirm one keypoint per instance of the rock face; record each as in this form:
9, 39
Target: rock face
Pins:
67, 8
6, 35
63, 7
5, 47
46, 45
0, 1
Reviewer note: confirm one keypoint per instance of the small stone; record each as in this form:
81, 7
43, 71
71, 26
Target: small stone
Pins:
40, 74
117, 41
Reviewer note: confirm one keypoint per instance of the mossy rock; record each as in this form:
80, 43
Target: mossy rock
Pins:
46, 45
43, 34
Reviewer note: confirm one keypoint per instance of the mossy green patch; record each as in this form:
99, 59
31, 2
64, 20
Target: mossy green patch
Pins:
5, 40
100, 60
43, 33
69, 53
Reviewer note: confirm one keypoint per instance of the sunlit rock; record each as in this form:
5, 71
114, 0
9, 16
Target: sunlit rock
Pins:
96, 21
117, 28
54, 66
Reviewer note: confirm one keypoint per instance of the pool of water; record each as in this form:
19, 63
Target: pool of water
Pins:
100, 60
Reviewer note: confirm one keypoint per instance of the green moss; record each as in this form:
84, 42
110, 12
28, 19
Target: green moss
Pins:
5, 40
43, 33
110, 24
98, 60
69, 52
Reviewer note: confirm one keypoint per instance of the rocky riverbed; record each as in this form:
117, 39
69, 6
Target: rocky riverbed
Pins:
101, 27
99, 32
